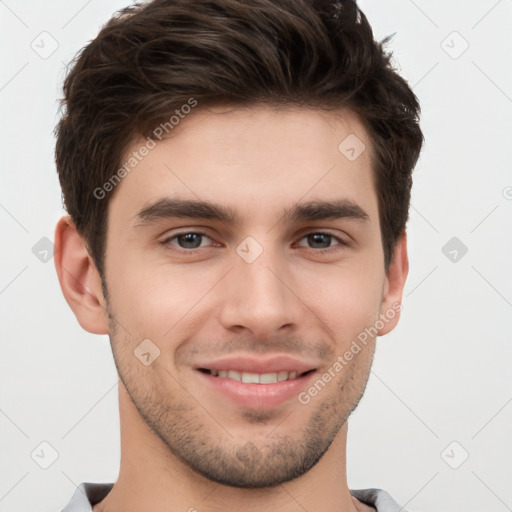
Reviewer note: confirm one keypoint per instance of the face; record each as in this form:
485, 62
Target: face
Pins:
261, 282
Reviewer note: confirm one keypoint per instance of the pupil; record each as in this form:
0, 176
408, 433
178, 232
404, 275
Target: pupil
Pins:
317, 237
189, 239
192, 240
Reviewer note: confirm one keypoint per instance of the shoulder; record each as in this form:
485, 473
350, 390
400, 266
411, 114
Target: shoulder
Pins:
376, 500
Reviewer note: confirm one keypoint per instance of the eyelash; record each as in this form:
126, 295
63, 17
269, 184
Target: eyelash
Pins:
167, 241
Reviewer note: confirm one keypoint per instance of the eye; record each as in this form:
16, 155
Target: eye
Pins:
187, 241
322, 241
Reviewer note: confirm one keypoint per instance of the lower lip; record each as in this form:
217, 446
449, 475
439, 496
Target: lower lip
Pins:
258, 396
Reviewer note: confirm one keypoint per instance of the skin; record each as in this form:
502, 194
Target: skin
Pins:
182, 443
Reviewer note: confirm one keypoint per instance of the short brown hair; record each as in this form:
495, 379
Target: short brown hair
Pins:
151, 58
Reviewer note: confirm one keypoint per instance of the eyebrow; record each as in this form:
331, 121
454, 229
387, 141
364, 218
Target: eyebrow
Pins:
168, 208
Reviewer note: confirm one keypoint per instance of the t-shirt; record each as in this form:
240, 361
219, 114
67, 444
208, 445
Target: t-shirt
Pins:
88, 494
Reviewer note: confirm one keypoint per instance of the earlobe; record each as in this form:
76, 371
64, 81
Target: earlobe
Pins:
79, 279
394, 286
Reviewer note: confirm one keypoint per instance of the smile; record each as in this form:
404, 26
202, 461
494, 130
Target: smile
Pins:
255, 378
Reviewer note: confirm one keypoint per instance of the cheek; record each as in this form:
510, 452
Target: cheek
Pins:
155, 299
345, 298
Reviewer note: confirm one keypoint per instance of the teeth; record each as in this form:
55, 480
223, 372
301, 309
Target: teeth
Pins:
249, 378
282, 376
254, 378
232, 374
268, 378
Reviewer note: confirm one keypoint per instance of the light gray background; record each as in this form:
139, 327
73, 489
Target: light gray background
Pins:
443, 376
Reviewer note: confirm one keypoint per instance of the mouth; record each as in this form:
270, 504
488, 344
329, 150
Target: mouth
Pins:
256, 378
258, 384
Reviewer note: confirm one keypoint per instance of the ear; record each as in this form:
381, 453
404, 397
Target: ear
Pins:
393, 288
79, 279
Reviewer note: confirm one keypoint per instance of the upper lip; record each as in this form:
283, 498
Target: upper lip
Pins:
272, 364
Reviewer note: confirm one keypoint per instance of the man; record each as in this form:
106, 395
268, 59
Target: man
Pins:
237, 177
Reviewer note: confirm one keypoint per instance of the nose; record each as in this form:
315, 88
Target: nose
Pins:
259, 297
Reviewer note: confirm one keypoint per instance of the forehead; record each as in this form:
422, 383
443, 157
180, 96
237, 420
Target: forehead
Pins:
254, 161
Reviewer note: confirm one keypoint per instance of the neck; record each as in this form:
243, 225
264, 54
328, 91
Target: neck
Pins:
152, 478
